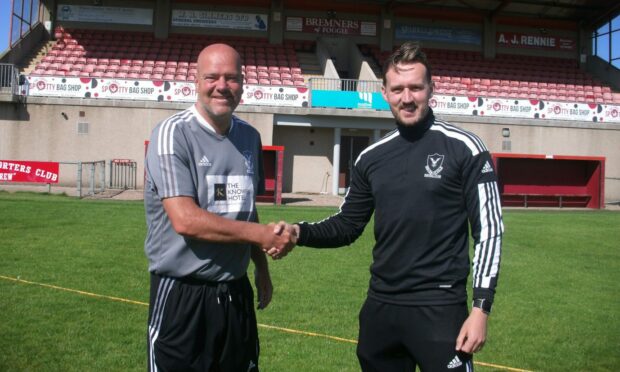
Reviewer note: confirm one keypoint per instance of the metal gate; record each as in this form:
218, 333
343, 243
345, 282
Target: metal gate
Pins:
123, 174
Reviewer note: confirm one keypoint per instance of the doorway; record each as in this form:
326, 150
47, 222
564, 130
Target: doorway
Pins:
350, 149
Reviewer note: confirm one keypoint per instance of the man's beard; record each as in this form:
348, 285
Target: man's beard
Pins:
416, 109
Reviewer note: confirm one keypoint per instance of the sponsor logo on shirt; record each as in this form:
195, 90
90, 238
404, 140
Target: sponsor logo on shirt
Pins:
219, 191
230, 193
434, 166
204, 162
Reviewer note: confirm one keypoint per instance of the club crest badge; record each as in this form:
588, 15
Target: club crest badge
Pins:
249, 163
434, 166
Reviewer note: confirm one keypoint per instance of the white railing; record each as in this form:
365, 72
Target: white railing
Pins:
351, 85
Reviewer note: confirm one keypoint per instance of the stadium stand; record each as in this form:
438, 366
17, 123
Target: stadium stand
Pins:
131, 55
509, 76
99, 53
138, 55
313, 77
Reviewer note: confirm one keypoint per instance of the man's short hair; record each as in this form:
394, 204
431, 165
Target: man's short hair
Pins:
408, 52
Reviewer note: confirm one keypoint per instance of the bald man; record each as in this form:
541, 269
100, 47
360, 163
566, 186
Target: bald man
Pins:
203, 172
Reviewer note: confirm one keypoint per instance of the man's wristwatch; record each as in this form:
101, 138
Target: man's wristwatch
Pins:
482, 304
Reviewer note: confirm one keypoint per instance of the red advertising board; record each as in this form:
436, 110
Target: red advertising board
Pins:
519, 40
28, 171
317, 25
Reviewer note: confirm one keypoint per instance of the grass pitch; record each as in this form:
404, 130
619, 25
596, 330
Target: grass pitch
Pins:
66, 265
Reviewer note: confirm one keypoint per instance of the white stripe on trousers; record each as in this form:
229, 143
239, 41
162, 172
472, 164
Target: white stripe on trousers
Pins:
159, 305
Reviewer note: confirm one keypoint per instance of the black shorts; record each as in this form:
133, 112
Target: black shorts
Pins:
399, 338
201, 326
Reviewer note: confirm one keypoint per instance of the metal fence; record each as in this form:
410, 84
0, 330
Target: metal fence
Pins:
9, 79
95, 177
345, 85
123, 174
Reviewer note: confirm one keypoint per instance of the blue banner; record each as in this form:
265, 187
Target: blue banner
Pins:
349, 100
443, 34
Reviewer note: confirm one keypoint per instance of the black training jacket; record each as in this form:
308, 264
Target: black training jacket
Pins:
426, 185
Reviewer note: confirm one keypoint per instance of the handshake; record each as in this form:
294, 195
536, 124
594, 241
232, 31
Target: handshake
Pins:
282, 238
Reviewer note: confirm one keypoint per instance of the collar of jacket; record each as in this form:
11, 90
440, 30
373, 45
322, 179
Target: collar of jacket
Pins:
416, 132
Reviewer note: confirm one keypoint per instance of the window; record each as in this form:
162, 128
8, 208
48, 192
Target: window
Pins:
25, 17
606, 42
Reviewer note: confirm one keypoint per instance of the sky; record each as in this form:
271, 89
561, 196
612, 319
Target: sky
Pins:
5, 24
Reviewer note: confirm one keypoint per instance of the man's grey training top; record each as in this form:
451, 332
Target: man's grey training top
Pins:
222, 173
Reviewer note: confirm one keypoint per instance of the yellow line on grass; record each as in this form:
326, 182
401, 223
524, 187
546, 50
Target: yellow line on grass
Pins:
282, 329
501, 367
288, 330
118, 299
